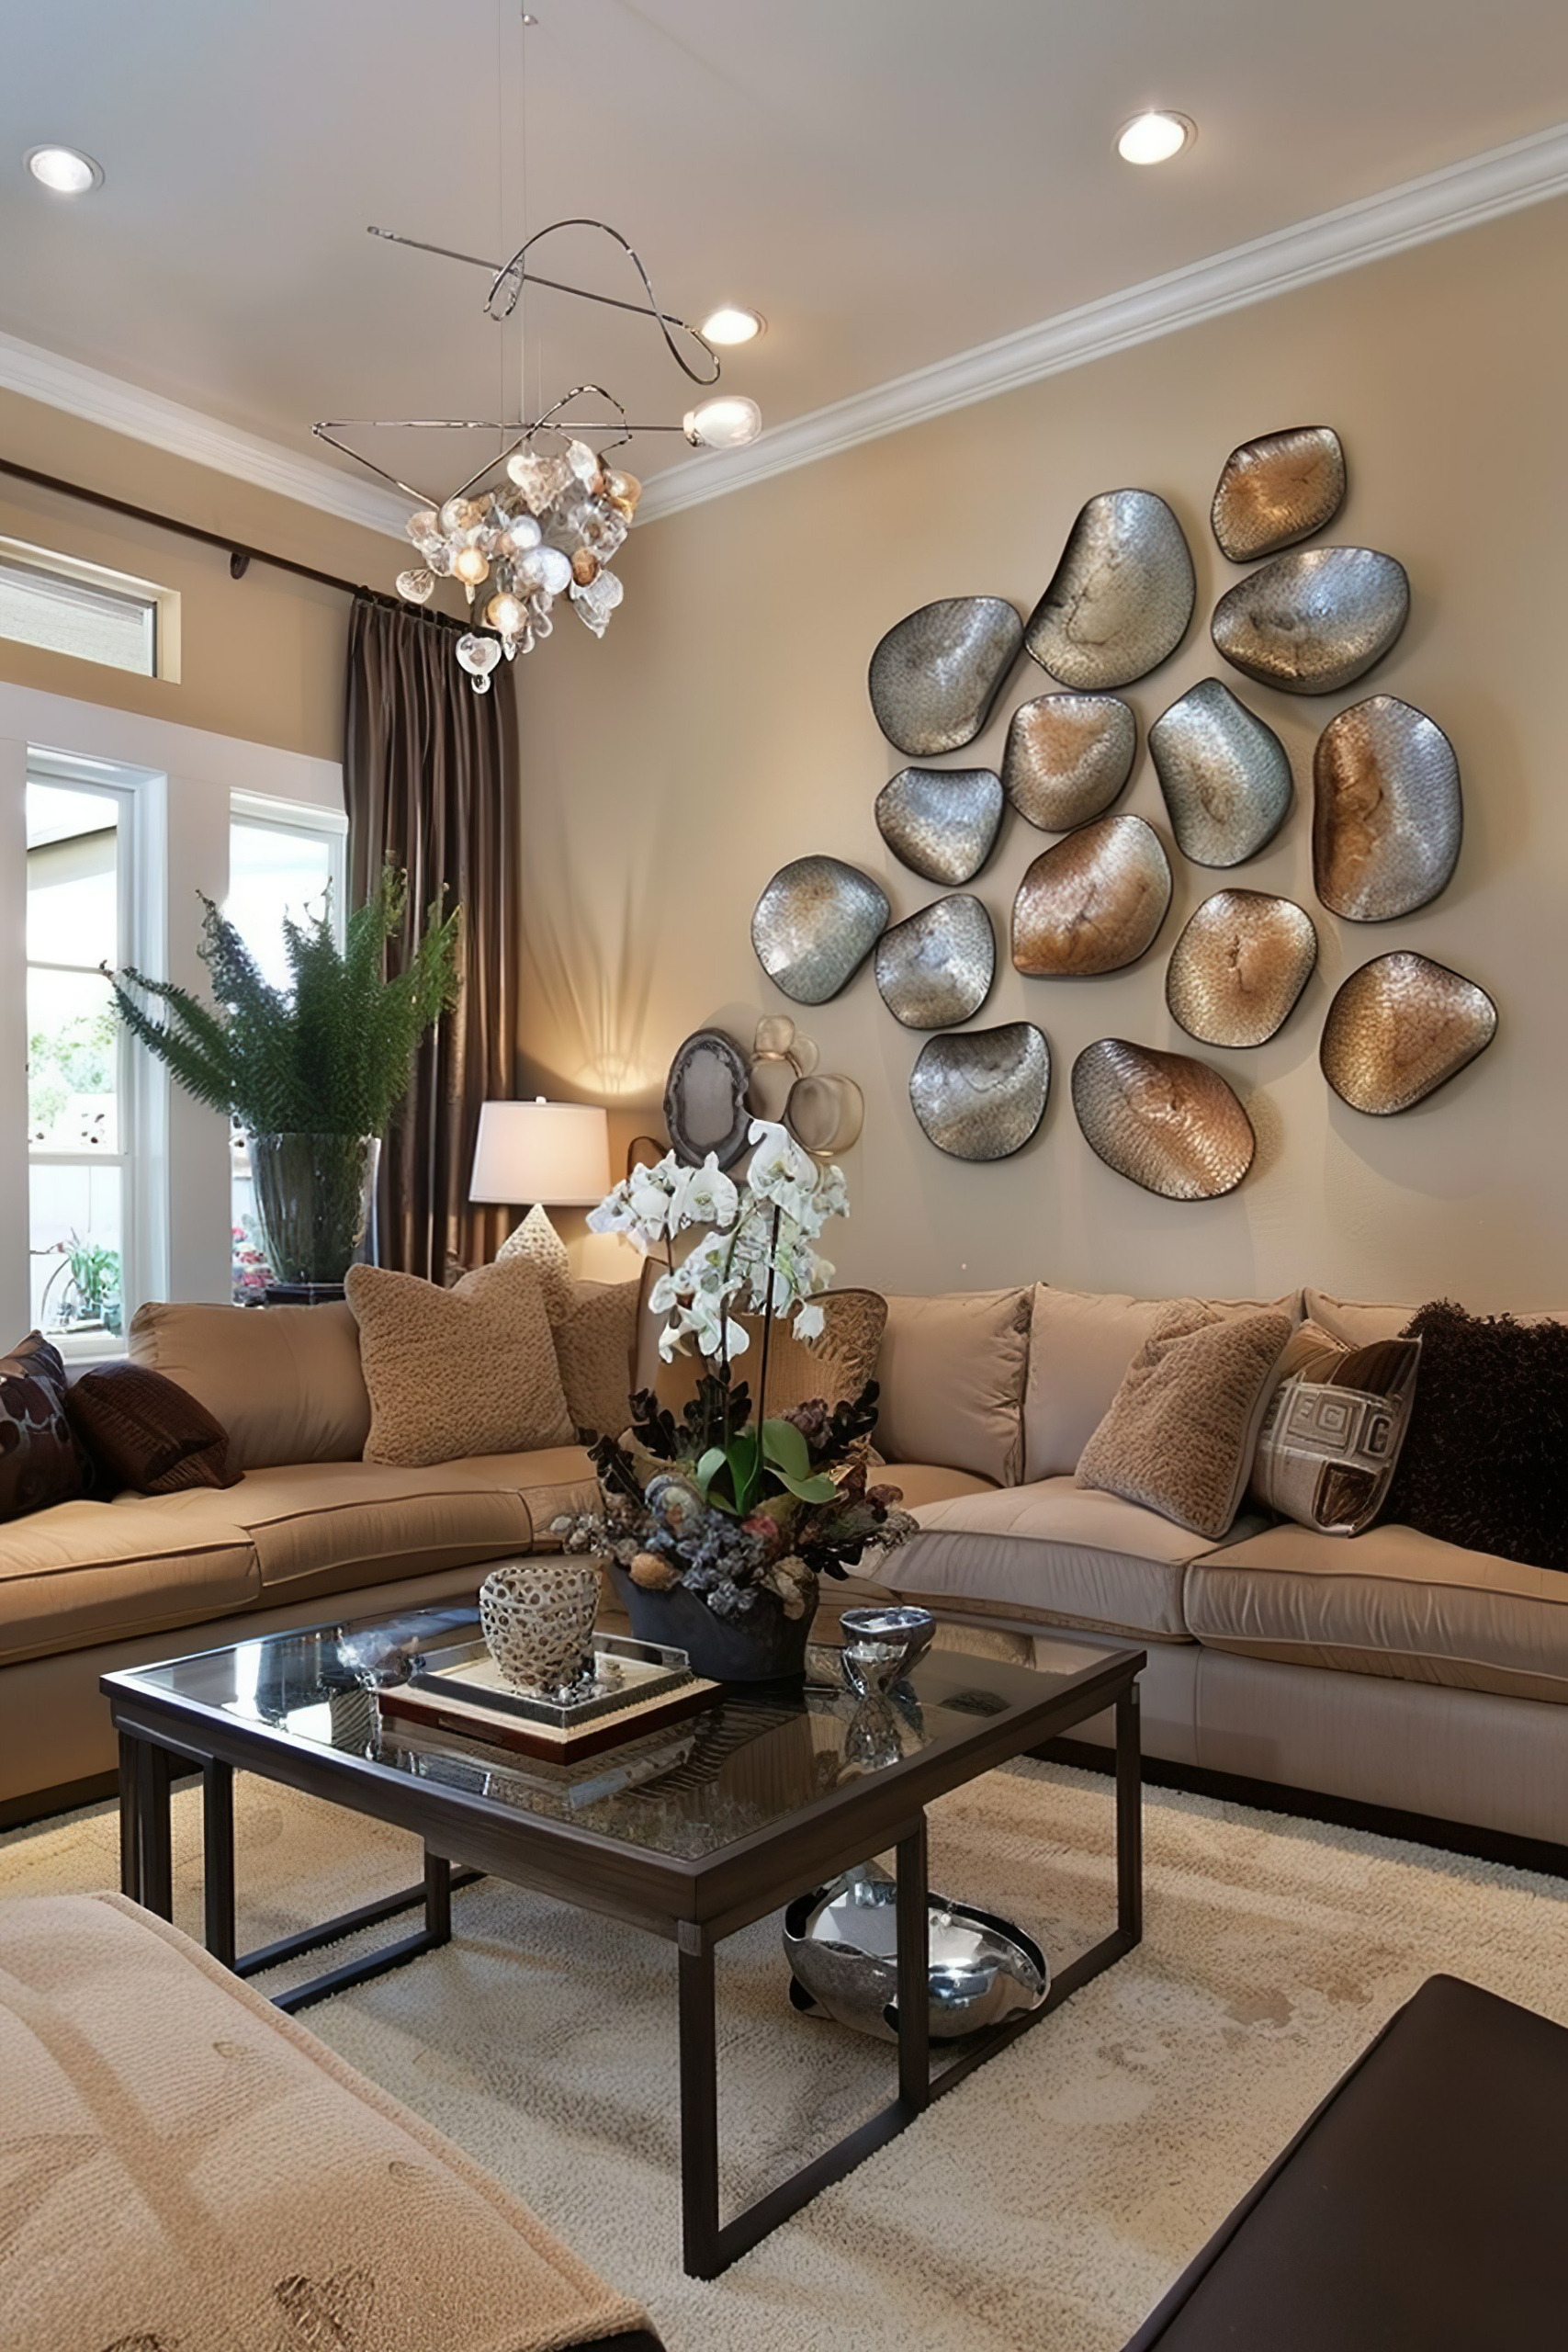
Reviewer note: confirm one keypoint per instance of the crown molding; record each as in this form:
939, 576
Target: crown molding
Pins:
1481, 187
100, 398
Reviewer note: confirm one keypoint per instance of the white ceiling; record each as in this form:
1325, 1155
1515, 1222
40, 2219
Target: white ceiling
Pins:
888, 181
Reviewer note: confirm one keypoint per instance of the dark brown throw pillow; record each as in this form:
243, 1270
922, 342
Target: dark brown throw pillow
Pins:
1483, 1463
146, 1431
39, 1461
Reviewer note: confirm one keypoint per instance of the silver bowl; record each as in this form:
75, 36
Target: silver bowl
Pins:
841, 1941
882, 1644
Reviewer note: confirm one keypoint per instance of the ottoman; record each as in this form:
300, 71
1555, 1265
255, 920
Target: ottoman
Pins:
181, 2164
1420, 2210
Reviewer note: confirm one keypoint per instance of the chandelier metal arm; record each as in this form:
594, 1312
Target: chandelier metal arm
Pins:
510, 274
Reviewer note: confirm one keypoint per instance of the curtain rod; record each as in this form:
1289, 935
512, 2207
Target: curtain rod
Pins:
241, 557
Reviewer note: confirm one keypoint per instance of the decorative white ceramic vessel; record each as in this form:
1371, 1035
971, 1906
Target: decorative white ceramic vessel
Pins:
537, 1617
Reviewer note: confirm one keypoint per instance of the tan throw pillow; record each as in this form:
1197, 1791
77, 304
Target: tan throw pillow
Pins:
594, 1347
455, 1373
1333, 1429
1182, 1428
953, 1372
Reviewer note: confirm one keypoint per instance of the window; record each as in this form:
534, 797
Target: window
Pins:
81, 1144
279, 864
70, 607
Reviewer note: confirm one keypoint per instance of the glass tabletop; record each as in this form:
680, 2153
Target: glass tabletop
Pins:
756, 1756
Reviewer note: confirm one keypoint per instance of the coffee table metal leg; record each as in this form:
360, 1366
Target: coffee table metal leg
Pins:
914, 1988
155, 1834
699, 2106
1129, 1819
217, 1859
130, 1820
437, 1898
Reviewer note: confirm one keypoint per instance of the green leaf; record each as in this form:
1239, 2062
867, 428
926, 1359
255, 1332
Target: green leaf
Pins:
745, 1453
785, 1448
709, 1466
817, 1489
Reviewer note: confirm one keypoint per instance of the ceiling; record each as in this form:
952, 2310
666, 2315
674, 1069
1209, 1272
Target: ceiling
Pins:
888, 181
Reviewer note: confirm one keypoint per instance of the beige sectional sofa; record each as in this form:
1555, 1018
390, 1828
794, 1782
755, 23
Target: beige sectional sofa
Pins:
1388, 1668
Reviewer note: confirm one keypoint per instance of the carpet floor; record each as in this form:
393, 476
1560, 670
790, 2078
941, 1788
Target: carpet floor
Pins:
1044, 2205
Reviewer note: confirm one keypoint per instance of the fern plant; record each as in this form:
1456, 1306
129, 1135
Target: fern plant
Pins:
332, 1053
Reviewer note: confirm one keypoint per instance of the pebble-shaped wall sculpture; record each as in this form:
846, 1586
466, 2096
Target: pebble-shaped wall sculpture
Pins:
1315, 621
1122, 596
1276, 489
936, 674
1239, 967
980, 1094
1164, 1121
815, 925
1401, 1027
1092, 903
1387, 816
1068, 758
1225, 774
940, 822
936, 968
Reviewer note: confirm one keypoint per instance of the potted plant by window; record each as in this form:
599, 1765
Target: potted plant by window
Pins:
311, 1071
717, 1523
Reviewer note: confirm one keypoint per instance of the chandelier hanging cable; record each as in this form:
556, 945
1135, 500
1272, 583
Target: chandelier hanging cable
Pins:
530, 525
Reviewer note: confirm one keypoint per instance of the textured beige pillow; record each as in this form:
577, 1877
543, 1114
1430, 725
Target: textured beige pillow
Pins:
1181, 1433
1081, 1344
953, 1371
594, 1347
285, 1381
454, 1372
1330, 1437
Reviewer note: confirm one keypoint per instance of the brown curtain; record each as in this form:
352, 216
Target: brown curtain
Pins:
430, 774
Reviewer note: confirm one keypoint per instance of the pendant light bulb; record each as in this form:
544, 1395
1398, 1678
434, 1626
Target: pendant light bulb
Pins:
728, 423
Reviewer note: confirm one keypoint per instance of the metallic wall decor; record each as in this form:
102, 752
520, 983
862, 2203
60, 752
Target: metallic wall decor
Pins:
1067, 757
815, 925
1225, 776
1239, 966
940, 822
1165, 1121
825, 1113
1387, 815
1121, 597
841, 1942
981, 1094
706, 1106
1092, 902
1401, 1027
936, 674
780, 1053
1310, 623
937, 968
1276, 489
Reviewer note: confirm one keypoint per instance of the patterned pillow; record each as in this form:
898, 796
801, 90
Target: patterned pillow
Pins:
458, 1372
1333, 1430
39, 1462
144, 1431
1180, 1435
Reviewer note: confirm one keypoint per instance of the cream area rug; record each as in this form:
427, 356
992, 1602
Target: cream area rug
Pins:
1045, 2204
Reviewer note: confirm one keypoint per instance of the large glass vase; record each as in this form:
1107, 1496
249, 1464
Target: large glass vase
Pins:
315, 1201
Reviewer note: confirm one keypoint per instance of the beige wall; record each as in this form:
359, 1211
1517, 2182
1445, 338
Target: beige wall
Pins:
722, 727
262, 658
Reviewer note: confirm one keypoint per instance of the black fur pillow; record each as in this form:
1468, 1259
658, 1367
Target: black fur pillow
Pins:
1485, 1461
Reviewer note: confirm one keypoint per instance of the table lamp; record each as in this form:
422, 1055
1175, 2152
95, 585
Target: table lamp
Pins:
554, 1155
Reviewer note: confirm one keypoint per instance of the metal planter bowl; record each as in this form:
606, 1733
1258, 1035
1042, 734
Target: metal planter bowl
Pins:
882, 1644
841, 1941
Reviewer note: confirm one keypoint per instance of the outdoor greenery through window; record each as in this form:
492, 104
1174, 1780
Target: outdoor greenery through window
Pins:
79, 1141
277, 868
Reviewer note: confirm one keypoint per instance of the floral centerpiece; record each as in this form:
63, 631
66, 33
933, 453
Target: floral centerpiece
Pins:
719, 1520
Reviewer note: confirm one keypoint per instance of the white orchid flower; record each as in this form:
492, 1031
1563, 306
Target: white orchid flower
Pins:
704, 1196
810, 1323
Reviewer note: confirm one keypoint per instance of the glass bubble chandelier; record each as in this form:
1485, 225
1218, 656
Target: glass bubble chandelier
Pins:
546, 513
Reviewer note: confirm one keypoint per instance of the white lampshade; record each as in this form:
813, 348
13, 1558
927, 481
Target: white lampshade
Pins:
556, 1153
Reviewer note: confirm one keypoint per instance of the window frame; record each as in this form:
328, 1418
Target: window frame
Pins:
139, 1205
161, 605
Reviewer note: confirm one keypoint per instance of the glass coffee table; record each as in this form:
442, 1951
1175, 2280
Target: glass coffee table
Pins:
692, 1832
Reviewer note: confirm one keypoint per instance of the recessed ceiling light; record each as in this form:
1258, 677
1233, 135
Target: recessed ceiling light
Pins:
1155, 137
65, 170
728, 323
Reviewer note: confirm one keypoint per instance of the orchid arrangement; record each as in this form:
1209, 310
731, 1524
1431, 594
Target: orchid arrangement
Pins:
742, 1512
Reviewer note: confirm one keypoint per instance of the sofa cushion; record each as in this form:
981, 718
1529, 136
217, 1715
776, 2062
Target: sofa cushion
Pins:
95, 1572
453, 1373
1181, 1431
187, 2167
328, 1526
928, 1482
1080, 1345
284, 1381
953, 1370
1051, 1554
1390, 1603
1355, 1321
